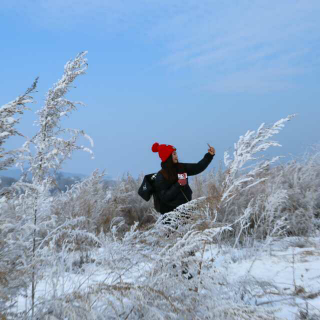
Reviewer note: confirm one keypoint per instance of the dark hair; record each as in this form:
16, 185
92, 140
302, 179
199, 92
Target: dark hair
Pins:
170, 169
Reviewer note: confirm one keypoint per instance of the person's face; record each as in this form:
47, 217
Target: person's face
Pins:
174, 157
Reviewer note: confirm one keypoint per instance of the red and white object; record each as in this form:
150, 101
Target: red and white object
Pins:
182, 178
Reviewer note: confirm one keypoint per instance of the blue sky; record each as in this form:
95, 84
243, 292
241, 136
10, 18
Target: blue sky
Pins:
179, 72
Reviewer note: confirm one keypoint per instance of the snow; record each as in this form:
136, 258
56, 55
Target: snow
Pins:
10, 120
288, 276
90, 139
292, 274
4, 134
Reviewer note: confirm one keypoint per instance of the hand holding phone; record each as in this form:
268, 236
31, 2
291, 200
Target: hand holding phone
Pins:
211, 150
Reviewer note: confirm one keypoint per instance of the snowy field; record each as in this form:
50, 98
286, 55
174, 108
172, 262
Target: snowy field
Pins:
282, 277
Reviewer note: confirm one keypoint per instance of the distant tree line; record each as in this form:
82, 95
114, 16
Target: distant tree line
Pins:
62, 182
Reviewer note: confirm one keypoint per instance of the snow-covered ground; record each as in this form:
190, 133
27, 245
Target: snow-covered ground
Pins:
282, 276
285, 275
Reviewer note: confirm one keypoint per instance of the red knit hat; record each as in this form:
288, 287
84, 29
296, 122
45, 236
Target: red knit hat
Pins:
164, 150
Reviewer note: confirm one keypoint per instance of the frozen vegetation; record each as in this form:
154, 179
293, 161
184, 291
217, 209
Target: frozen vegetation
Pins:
247, 247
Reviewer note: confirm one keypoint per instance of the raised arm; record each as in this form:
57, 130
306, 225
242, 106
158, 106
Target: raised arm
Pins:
196, 168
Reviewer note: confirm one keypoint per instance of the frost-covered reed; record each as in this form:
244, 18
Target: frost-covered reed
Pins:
8, 124
27, 222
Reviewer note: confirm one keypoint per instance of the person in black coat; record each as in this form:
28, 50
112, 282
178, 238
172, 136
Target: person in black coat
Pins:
171, 183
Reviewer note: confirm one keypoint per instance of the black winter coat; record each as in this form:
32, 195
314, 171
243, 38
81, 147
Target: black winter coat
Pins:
173, 195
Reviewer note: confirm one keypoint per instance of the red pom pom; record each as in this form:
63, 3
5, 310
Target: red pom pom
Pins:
155, 147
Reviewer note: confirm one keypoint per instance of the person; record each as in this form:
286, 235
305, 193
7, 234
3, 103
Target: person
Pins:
171, 183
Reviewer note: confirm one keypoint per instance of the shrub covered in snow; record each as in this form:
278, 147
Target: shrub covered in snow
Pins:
261, 198
286, 202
